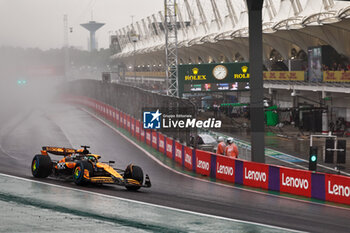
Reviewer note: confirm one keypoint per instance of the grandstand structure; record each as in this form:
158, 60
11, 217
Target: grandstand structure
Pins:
217, 31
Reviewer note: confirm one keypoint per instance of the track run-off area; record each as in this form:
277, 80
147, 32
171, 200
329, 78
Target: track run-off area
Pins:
36, 204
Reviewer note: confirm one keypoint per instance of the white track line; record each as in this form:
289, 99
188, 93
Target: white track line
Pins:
199, 179
152, 205
285, 161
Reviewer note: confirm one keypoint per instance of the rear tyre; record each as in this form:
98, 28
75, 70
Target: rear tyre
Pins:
78, 172
41, 166
133, 172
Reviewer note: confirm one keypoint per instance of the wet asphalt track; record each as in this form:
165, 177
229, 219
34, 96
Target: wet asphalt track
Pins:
65, 125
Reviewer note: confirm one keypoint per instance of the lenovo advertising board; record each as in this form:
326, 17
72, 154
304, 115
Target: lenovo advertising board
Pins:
104, 111
117, 118
161, 142
188, 153
178, 152
137, 129
169, 147
110, 113
132, 126
128, 123
225, 168
98, 108
296, 182
142, 134
121, 119
125, 125
155, 140
114, 113
256, 174
148, 137
203, 159
338, 188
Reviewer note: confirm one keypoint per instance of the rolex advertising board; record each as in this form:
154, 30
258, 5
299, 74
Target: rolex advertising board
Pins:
212, 77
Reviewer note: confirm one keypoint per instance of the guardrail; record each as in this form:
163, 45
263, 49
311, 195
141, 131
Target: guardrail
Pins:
326, 187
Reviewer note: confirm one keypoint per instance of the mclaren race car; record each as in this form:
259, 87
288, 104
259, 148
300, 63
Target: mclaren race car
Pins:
85, 167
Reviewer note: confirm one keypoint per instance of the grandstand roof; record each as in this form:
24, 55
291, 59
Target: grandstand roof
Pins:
287, 24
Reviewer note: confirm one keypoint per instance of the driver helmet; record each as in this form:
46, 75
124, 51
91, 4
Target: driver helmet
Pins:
91, 158
229, 140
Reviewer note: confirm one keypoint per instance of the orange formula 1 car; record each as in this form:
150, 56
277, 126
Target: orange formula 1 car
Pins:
84, 168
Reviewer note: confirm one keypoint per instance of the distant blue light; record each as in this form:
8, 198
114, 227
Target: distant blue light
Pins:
21, 82
313, 158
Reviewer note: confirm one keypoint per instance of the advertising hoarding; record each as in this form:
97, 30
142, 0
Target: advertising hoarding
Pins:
295, 181
203, 162
225, 168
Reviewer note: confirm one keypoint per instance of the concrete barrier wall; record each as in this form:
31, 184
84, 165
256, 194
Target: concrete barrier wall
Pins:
327, 187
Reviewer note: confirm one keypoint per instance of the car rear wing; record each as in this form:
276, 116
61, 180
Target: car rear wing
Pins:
58, 150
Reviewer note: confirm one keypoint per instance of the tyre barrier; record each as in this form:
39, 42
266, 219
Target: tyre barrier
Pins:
326, 187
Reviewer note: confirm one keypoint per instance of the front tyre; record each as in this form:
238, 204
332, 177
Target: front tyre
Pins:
133, 172
41, 166
78, 172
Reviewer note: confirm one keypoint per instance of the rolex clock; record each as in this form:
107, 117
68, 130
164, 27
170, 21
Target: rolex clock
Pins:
220, 72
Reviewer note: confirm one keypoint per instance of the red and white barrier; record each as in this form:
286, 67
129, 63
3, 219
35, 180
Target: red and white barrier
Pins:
334, 188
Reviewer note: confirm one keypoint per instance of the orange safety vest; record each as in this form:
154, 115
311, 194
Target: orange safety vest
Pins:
221, 148
231, 151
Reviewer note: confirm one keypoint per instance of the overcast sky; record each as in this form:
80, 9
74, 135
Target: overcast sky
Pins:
39, 23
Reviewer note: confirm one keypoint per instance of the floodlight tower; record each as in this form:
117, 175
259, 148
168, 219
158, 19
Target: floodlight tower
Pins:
171, 46
92, 27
